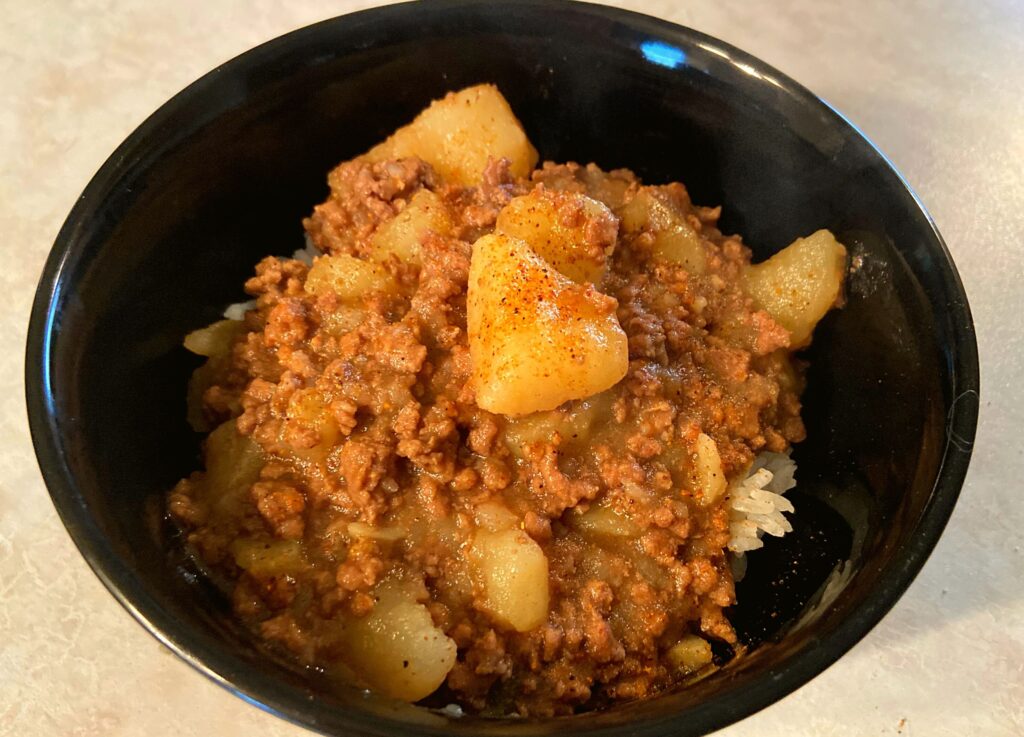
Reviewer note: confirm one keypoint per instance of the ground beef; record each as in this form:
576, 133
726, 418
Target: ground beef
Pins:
353, 449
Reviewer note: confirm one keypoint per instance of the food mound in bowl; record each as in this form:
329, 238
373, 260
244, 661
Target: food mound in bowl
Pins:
498, 434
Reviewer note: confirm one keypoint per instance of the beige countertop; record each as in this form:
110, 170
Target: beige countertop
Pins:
937, 85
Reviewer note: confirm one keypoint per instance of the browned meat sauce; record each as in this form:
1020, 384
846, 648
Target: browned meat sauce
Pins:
349, 451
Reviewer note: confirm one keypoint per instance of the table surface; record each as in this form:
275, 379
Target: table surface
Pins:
937, 85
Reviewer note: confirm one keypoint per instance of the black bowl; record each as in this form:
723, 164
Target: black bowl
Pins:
167, 230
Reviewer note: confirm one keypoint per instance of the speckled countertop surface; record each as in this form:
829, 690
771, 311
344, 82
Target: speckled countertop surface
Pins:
937, 85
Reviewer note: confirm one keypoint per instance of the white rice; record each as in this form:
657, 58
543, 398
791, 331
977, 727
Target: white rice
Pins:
306, 255
238, 309
453, 710
756, 504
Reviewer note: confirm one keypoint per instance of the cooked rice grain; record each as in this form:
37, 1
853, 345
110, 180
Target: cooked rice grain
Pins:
756, 504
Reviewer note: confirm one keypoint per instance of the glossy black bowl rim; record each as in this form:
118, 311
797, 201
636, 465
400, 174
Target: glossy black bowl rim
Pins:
292, 703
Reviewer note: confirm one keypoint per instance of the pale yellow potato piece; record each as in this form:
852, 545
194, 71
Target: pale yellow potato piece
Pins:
347, 276
268, 557
459, 134
215, 339
494, 516
573, 423
555, 225
308, 408
396, 648
403, 234
611, 187
214, 342
674, 239
343, 319
514, 573
709, 475
536, 338
799, 284
202, 379
388, 534
690, 654
233, 463
600, 521
608, 187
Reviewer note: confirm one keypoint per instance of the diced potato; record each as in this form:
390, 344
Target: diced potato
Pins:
233, 464
265, 558
343, 319
514, 572
494, 516
396, 648
349, 277
609, 187
798, 285
202, 379
556, 226
709, 475
690, 654
309, 408
674, 239
458, 134
536, 338
600, 521
403, 234
572, 422
215, 339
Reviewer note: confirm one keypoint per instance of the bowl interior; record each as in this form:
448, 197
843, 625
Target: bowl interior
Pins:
221, 176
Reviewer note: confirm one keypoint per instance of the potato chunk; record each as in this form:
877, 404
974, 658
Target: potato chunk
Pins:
233, 463
574, 422
396, 648
570, 231
403, 234
458, 134
536, 338
309, 410
215, 339
798, 285
675, 240
612, 188
603, 521
347, 276
690, 654
265, 558
709, 475
494, 516
214, 342
514, 572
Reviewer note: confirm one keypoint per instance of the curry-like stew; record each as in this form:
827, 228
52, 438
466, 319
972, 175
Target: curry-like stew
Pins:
497, 434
